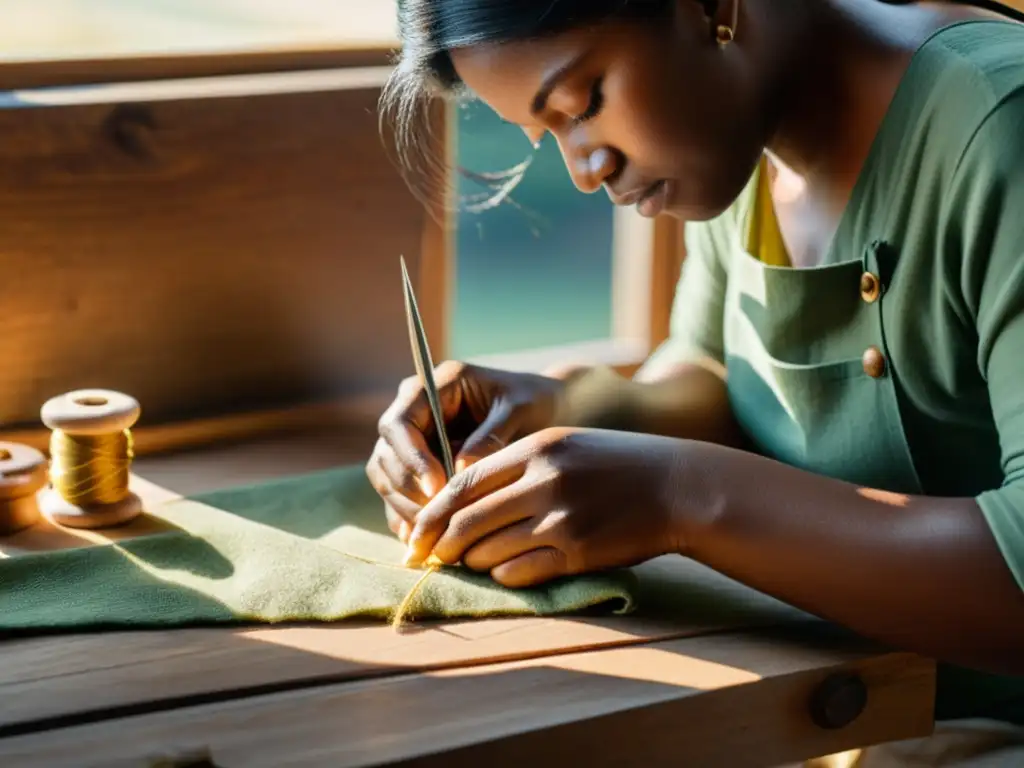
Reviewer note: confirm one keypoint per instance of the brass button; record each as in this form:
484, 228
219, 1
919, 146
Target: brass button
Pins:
870, 287
874, 362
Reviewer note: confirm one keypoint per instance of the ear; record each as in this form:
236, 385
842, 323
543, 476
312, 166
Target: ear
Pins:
701, 14
710, 7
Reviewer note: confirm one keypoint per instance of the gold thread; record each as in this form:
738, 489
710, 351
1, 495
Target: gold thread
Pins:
432, 565
401, 613
91, 469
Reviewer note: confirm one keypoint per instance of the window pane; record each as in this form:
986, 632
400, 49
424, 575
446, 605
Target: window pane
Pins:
533, 272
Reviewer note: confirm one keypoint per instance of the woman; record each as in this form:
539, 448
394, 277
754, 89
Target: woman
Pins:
838, 417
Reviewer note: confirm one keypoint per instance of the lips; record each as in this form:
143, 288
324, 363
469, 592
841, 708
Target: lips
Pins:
642, 198
654, 199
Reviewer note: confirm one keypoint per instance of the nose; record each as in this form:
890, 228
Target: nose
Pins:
590, 167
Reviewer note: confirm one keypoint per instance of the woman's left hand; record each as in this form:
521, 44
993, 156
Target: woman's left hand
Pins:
556, 503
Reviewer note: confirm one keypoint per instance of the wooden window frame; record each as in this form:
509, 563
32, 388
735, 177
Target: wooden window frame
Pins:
646, 258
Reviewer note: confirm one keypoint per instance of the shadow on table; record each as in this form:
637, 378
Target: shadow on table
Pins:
363, 673
720, 699
147, 573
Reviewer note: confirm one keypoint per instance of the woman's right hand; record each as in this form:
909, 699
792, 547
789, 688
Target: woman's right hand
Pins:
484, 410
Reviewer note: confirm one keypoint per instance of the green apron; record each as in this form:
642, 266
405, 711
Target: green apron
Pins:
794, 395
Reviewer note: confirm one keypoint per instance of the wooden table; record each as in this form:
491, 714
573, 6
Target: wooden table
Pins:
657, 688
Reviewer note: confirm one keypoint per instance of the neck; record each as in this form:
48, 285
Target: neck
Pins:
834, 92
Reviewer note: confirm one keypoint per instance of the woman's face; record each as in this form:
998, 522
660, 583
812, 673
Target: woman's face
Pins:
657, 113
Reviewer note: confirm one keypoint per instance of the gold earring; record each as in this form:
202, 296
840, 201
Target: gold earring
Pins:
726, 33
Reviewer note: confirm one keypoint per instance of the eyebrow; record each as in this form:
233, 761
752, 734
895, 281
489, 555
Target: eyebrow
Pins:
540, 100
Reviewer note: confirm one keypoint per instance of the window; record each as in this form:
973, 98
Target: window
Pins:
535, 271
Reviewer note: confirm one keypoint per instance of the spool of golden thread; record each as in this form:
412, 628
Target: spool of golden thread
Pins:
90, 459
90, 466
22, 475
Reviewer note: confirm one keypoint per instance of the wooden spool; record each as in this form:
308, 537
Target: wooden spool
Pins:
23, 473
90, 412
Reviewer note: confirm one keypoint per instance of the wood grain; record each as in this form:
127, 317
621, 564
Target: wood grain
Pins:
207, 255
343, 427
338, 417
45, 681
728, 700
17, 75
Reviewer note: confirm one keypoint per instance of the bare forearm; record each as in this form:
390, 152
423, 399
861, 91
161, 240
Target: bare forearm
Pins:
688, 401
919, 573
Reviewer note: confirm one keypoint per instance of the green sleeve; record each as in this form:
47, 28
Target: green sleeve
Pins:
988, 228
698, 309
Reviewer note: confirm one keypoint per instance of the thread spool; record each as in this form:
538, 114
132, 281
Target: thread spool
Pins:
90, 459
22, 476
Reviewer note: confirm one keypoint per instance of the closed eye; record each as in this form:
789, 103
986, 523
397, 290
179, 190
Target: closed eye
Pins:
595, 104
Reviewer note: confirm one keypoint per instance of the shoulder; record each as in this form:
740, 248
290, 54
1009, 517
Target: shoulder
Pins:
986, 54
983, 211
960, 123
982, 110
972, 74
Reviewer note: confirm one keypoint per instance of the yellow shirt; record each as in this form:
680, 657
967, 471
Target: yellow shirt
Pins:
764, 238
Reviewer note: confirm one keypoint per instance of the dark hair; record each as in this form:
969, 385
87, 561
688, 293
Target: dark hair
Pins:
430, 29
423, 74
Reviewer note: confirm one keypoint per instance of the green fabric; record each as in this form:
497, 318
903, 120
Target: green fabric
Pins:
938, 215
283, 551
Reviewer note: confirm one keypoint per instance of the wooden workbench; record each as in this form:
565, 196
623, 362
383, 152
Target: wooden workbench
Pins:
656, 688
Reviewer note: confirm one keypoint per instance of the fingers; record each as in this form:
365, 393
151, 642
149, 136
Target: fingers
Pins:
496, 431
531, 568
400, 510
413, 457
404, 426
401, 477
397, 524
507, 509
490, 546
473, 484
401, 506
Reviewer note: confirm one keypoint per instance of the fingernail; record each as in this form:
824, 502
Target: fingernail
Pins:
404, 531
461, 464
427, 485
412, 554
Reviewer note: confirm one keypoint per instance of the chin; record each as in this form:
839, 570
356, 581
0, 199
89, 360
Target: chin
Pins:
697, 211
703, 202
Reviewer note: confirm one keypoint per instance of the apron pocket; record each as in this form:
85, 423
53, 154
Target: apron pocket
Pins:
832, 419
